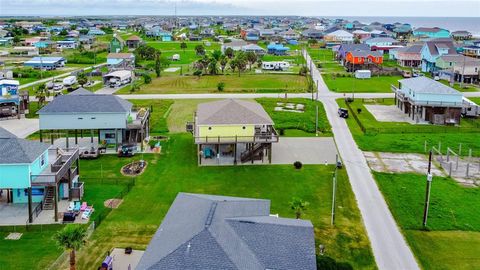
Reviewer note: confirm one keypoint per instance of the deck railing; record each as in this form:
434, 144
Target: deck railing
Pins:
258, 137
58, 168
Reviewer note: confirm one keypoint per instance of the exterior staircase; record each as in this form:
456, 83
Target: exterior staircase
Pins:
254, 154
48, 199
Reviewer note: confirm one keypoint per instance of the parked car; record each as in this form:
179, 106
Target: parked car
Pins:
343, 113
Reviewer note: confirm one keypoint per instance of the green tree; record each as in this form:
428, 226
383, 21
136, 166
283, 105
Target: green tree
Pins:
158, 64
223, 63
64, 32
82, 79
229, 52
200, 50
251, 59
183, 46
213, 67
42, 94
312, 42
83, 31
299, 206
241, 62
146, 78
217, 55
71, 238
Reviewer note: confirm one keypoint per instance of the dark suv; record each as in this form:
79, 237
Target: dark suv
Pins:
343, 112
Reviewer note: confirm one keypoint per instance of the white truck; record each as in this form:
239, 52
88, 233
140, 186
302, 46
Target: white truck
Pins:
277, 65
70, 80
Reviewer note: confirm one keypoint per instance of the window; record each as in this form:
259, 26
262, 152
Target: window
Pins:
42, 160
80, 118
93, 118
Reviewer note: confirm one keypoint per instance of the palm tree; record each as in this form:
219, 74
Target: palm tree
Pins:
223, 63
41, 94
71, 238
298, 206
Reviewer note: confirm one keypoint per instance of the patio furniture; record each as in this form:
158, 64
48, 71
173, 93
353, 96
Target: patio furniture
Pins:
208, 153
84, 206
71, 206
87, 213
107, 263
77, 206
90, 154
128, 250
68, 217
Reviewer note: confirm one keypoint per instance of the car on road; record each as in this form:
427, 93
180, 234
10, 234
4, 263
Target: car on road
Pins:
343, 113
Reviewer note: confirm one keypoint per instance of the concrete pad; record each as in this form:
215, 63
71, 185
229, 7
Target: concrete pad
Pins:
308, 150
172, 69
390, 113
400, 163
22, 128
122, 261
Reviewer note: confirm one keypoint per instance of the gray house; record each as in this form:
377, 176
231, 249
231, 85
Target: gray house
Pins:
114, 119
218, 232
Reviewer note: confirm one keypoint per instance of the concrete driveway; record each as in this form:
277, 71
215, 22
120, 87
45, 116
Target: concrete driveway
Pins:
20, 127
308, 150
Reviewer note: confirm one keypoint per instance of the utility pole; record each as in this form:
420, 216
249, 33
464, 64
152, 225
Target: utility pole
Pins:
316, 121
333, 194
427, 192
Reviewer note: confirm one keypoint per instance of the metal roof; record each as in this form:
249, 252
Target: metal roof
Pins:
426, 85
220, 232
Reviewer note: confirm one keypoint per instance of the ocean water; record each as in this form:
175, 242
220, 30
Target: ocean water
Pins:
471, 24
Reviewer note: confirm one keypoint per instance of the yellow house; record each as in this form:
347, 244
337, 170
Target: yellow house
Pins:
229, 131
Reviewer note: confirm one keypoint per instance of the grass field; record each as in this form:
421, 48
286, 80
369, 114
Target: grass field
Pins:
208, 84
453, 239
158, 123
408, 138
182, 111
376, 84
137, 219
297, 124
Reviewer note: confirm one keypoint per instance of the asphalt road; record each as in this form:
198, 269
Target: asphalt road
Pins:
389, 246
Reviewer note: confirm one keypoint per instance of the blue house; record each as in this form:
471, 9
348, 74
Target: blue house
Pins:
426, 100
37, 175
158, 33
114, 118
277, 49
95, 32
45, 62
10, 101
432, 50
429, 32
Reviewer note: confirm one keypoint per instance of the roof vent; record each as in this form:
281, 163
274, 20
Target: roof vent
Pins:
210, 214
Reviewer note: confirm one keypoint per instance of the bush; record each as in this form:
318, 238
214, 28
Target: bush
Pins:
281, 131
197, 73
303, 71
221, 86
359, 110
298, 165
146, 78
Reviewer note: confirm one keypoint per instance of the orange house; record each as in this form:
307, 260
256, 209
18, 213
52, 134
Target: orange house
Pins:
360, 57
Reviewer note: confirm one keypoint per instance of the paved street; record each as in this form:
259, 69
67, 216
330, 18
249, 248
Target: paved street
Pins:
20, 127
389, 247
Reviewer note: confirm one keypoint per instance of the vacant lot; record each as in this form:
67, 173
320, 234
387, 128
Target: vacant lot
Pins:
139, 216
376, 84
405, 137
297, 124
453, 241
260, 83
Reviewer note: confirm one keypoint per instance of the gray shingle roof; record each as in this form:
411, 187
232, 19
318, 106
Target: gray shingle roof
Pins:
19, 151
232, 112
426, 85
84, 101
433, 46
219, 232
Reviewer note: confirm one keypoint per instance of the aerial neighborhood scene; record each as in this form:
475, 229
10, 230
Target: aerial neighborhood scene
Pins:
247, 135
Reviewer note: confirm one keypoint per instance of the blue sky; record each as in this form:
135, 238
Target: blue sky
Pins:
431, 8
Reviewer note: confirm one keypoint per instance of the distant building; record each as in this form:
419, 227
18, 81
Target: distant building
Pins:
340, 36
121, 61
203, 231
277, 49
432, 50
134, 42
461, 35
410, 56
116, 44
431, 32
45, 62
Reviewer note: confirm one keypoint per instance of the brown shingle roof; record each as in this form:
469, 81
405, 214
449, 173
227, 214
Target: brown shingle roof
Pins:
232, 112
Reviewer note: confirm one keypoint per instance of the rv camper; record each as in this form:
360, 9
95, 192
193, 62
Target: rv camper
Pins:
363, 74
275, 65
69, 81
470, 108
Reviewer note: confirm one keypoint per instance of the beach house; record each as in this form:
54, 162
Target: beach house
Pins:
431, 32
203, 231
12, 101
432, 50
426, 100
231, 131
116, 44
35, 177
410, 56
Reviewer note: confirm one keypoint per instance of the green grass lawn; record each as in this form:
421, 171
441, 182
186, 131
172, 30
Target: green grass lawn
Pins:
34, 250
175, 170
208, 84
408, 138
453, 239
293, 122
464, 88
182, 111
376, 84
158, 122
175, 45
321, 55
476, 100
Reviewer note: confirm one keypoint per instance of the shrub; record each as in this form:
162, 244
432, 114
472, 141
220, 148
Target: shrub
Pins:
303, 71
221, 86
146, 78
197, 73
359, 110
281, 131
298, 165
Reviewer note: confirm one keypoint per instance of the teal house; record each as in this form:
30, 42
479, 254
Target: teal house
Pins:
429, 32
116, 44
34, 175
434, 49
